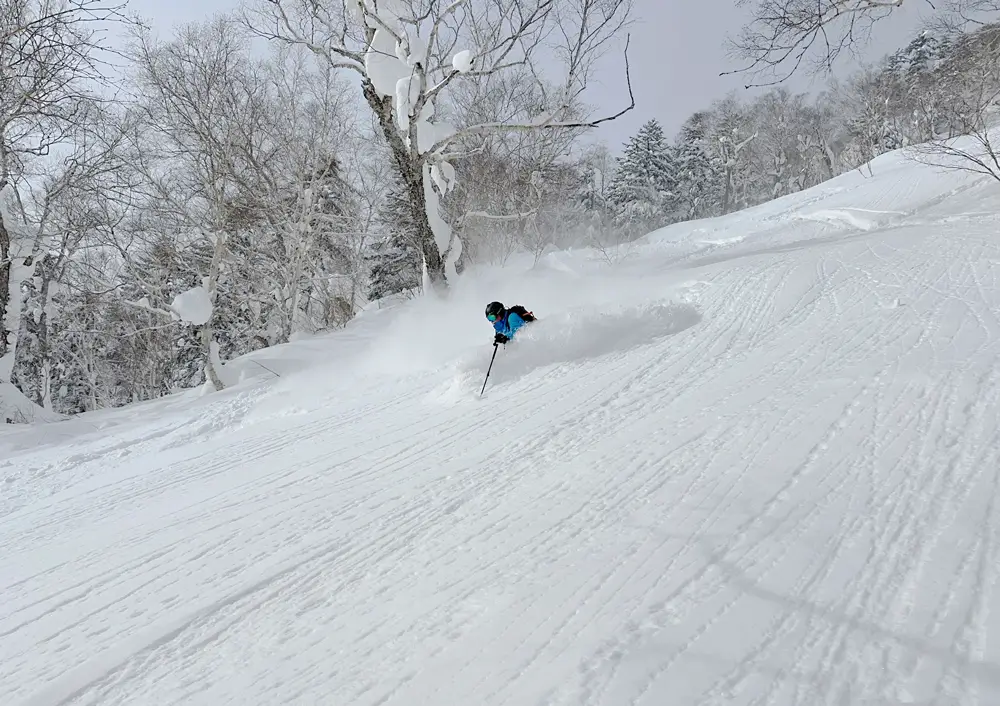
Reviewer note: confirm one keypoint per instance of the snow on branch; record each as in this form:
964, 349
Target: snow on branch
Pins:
193, 306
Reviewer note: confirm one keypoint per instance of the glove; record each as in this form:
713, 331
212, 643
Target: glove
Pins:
500, 338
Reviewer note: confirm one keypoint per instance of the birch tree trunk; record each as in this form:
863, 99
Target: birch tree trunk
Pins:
209, 345
43, 394
6, 336
411, 174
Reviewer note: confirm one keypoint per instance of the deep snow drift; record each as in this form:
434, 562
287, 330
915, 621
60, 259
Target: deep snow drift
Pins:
754, 461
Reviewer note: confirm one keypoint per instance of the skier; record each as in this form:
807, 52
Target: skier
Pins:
505, 321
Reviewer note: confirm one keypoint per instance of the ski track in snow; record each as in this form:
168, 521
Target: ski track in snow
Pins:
780, 490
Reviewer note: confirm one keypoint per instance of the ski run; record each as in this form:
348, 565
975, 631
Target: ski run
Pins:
752, 460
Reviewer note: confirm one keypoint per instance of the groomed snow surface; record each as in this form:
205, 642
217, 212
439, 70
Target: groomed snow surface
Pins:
754, 461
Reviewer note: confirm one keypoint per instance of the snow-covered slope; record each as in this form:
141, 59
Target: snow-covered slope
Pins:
754, 461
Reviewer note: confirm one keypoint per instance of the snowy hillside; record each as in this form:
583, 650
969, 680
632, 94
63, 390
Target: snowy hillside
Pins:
755, 460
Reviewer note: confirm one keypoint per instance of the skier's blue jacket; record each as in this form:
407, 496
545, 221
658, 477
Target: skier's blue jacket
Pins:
509, 324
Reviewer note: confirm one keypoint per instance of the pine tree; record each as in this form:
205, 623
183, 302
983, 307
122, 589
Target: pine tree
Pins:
395, 262
699, 179
589, 194
151, 359
917, 57
913, 87
391, 269
644, 188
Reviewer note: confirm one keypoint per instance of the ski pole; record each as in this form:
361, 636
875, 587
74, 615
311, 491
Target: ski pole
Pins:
495, 348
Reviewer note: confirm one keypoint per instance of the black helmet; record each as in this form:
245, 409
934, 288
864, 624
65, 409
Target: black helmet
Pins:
494, 309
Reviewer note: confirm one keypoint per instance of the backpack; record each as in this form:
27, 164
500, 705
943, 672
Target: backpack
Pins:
522, 312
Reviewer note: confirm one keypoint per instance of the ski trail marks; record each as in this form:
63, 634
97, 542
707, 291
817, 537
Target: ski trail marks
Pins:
791, 502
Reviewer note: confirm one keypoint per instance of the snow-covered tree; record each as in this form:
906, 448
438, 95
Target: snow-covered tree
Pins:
74, 204
699, 178
732, 134
171, 352
409, 54
778, 119
913, 89
594, 213
240, 152
392, 268
822, 138
201, 143
918, 57
503, 178
597, 166
970, 77
873, 127
644, 187
50, 63
394, 261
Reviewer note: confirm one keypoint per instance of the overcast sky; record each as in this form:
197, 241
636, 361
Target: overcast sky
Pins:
676, 55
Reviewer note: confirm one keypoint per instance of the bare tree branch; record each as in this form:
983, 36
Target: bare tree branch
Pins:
784, 35
546, 123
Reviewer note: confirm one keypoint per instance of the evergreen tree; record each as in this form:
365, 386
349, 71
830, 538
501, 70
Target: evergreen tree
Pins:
644, 188
917, 57
152, 359
593, 183
699, 178
913, 87
391, 268
395, 263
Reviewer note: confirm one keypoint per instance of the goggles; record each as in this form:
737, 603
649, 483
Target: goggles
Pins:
491, 317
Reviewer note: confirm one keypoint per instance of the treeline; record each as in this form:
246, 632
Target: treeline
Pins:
739, 153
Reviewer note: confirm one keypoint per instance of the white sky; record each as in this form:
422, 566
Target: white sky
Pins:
676, 55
